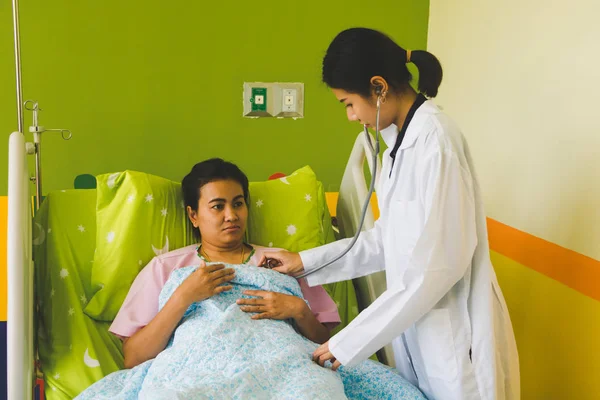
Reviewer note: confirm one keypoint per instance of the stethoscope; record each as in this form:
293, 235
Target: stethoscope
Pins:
367, 202
270, 263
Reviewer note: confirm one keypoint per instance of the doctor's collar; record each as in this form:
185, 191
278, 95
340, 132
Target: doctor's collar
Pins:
389, 135
420, 100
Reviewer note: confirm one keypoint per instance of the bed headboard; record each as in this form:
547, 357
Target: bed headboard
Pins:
20, 358
353, 192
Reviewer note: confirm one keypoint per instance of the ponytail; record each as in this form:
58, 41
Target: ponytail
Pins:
430, 71
357, 54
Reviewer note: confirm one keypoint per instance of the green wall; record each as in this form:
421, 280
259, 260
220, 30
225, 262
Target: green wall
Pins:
156, 86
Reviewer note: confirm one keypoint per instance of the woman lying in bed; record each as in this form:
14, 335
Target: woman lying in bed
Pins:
195, 329
216, 197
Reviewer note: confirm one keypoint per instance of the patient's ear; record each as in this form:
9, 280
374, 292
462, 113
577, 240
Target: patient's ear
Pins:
193, 216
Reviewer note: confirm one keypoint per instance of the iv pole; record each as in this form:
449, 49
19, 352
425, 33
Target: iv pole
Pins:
17, 40
37, 130
14, 390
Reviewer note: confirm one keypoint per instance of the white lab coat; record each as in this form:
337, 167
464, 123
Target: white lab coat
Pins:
442, 301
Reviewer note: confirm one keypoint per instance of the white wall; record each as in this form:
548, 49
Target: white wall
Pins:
522, 78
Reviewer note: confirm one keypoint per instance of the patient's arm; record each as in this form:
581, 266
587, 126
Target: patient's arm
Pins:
273, 305
310, 327
146, 343
153, 338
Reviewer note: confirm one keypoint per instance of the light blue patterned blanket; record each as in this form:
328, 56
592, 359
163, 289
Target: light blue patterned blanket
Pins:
219, 352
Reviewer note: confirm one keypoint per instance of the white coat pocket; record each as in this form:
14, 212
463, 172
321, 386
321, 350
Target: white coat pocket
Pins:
405, 220
436, 343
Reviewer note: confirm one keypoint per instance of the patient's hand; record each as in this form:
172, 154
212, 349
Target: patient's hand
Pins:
205, 282
273, 305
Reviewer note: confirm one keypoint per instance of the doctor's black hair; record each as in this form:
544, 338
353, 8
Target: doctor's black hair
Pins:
214, 169
356, 55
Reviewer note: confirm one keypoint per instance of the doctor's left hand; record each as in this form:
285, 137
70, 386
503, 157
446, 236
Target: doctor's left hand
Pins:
322, 355
272, 305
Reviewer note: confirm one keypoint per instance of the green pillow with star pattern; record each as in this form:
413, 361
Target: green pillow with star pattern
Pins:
291, 213
287, 212
74, 350
138, 216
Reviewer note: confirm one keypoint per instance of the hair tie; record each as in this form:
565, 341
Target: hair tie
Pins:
408, 56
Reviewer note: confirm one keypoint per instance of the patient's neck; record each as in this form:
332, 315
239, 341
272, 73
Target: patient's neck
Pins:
226, 254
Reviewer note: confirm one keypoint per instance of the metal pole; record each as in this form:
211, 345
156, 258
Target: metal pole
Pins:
37, 140
15, 7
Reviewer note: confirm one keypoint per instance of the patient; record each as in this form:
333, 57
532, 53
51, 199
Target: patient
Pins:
194, 328
216, 198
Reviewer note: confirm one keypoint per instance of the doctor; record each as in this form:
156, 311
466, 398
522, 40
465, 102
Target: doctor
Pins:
443, 310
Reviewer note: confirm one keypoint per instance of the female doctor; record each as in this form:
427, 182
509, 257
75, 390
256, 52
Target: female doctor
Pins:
443, 310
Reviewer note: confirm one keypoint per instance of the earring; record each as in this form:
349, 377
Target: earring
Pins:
383, 98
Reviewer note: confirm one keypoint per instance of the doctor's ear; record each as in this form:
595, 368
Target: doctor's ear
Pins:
380, 86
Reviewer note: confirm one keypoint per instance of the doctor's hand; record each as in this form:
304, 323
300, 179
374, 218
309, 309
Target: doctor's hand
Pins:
322, 355
273, 305
286, 262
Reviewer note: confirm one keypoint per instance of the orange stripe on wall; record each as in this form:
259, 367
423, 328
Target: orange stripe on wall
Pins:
3, 255
572, 269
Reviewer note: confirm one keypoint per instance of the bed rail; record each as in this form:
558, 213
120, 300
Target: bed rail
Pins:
353, 192
20, 365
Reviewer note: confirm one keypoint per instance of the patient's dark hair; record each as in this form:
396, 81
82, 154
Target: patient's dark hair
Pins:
214, 169
358, 54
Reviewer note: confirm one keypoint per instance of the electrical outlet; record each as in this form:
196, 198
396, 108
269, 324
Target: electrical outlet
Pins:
291, 100
282, 100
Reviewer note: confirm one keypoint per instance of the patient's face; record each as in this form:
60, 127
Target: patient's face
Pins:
222, 213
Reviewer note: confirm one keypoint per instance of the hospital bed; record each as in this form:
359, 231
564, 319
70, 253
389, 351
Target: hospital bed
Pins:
80, 345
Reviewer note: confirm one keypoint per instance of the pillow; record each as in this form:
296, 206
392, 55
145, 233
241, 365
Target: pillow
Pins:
287, 212
138, 216
74, 350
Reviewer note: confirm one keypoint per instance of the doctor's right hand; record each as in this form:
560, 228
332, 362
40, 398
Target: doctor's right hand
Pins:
286, 262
